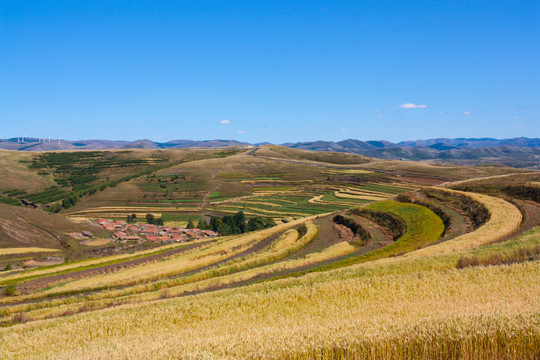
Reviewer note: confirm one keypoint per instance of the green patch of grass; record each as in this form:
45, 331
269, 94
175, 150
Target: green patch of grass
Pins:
274, 188
221, 198
14, 192
10, 201
47, 196
384, 189
230, 175
332, 197
178, 201
180, 217
423, 228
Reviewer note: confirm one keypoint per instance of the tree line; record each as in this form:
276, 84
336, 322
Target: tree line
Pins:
227, 225
235, 224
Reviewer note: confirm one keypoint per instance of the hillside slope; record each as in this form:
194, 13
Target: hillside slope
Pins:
24, 227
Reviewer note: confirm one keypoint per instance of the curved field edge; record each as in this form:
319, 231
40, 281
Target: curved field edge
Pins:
386, 266
319, 313
227, 275
424, 227
504, 220
216, 251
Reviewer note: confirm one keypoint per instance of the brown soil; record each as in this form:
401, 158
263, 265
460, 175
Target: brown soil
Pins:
344, 233
531, 217
326, 237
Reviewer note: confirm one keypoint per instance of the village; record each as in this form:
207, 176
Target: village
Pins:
122, 231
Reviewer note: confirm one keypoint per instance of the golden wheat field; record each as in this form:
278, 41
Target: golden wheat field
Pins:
411, 315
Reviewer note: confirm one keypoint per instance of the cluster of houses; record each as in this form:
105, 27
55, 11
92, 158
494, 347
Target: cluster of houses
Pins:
122, 231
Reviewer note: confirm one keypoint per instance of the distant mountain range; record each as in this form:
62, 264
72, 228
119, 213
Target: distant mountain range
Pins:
520, 152
517, 152
436, 144
34, 144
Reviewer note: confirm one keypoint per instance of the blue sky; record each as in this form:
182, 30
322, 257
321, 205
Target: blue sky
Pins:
274, 71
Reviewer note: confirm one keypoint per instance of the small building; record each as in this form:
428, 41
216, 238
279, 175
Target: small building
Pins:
120, 235
180, 238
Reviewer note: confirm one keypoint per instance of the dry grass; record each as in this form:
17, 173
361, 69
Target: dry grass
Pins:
452, 172
373, 269
493, 311
95, 242
80, 264
27, 250
17, 175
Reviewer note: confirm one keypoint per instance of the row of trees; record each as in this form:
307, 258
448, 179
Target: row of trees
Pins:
234, 224
73, 197
150, 219
228, 225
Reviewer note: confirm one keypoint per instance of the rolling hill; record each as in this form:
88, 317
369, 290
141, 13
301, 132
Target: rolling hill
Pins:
517, 152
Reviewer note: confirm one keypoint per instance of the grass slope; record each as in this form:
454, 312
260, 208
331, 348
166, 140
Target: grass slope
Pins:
26, 228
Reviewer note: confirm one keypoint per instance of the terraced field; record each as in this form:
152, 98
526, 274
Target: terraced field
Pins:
220, 189
360, 265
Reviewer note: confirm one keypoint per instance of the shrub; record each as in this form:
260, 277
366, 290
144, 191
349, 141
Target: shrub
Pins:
363, 235
394, 224
21, 318
10, 290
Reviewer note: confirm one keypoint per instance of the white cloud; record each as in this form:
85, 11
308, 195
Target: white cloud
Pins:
344, 130
440, 112
467, 113
241, 132
379, 111
411, 106
225, 122
380, 116
516, 117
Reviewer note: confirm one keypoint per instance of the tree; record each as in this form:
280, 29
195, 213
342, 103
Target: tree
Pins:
150, 219
202, 225
215, 222
229, 220
269, 222
254, 225
190, 224
224, 229
240, 220
159, 221
259, 223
